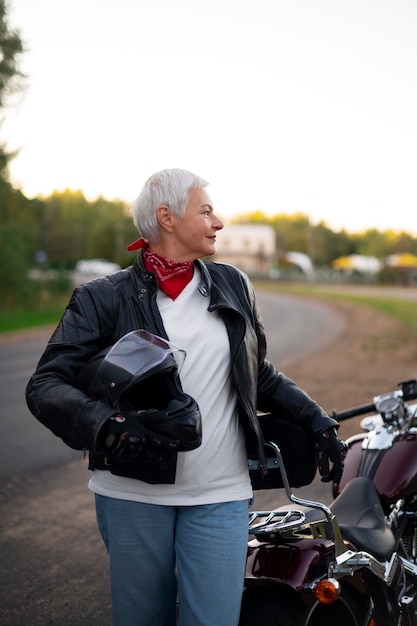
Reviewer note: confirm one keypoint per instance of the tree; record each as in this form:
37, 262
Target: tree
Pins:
18, 246
11, 49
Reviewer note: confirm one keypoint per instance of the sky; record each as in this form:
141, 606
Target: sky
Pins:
284, 106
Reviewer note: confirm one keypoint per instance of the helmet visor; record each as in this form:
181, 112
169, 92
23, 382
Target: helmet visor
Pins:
134, 357
140, 351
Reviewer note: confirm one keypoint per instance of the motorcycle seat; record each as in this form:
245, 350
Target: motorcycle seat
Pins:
361, 519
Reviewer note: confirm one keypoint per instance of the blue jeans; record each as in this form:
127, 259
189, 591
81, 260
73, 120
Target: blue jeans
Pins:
159, 552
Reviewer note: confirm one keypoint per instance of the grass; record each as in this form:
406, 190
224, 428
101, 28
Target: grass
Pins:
22, 319
402, 309
43, 313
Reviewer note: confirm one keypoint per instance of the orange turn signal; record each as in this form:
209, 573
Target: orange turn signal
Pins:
327, 591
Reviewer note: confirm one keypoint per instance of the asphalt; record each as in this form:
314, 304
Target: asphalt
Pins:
54, 567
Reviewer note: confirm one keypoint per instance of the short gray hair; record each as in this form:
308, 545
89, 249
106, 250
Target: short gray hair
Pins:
170, 187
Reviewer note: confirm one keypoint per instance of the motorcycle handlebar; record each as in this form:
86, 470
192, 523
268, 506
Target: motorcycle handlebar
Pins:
358, 410
409, 389
409, 392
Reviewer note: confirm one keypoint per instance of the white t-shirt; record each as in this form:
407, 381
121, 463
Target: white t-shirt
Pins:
217, 471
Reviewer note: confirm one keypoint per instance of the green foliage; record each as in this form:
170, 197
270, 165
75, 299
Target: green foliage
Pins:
64, 227
11, 49
14, 265
295, 232
72, 228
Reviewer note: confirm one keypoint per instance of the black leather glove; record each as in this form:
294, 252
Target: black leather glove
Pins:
330, 448
124, 436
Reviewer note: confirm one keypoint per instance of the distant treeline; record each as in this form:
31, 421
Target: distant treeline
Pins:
323, 245
56, 231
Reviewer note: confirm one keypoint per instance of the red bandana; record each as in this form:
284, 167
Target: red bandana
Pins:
172, 277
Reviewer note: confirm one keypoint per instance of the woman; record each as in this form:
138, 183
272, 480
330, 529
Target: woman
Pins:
186, 537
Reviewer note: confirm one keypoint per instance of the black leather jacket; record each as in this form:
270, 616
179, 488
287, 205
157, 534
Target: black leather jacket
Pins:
105, 309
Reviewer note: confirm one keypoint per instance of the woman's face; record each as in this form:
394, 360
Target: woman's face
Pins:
195, 233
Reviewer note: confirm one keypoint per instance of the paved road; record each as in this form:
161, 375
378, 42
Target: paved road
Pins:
293, 330
54, 568
26, 445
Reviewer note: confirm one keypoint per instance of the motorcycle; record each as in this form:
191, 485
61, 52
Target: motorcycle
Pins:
354, 562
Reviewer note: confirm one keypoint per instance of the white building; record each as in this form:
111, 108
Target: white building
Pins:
251, 247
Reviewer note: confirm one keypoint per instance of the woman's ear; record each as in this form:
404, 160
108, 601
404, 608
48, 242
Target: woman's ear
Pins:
165, 217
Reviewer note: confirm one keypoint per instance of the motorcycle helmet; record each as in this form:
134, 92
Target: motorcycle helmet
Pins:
140, 374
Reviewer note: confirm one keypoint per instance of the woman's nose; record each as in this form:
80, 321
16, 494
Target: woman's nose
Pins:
217, 223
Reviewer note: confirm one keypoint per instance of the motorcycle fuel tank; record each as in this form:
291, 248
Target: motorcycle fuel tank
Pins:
389, 460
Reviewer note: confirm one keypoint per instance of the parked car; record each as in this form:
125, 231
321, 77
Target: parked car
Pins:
96, 267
